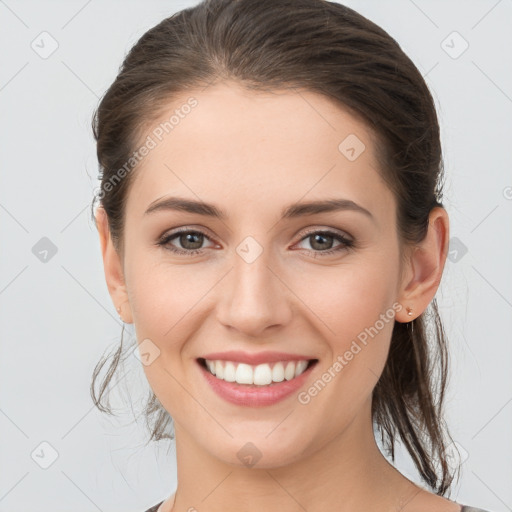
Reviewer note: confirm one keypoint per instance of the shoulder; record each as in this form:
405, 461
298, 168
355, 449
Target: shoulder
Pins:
464, 508
472, 509
425, 500
155, 508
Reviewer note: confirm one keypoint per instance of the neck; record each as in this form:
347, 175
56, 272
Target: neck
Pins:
348, 470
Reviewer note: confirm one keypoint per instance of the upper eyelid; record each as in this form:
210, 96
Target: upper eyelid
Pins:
332, 231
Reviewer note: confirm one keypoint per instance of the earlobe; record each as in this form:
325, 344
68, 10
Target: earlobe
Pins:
113, 268
426, 267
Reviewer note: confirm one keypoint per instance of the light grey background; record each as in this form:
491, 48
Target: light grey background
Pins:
57, 317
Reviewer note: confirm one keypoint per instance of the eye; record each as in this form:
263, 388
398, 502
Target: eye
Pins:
191, 241
322, 242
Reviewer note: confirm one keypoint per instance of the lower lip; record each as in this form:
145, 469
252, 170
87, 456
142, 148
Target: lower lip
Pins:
253, 395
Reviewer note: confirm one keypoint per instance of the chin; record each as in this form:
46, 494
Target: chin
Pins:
259, 452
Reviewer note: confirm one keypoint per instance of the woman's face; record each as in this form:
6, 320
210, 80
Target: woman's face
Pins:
261, 282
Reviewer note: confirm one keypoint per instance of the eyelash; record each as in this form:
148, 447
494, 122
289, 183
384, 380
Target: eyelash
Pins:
346, 244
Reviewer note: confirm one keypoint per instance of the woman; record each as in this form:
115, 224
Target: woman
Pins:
271, 223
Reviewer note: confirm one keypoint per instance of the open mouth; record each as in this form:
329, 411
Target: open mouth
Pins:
255, 376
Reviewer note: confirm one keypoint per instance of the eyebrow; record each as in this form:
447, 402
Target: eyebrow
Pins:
292, 211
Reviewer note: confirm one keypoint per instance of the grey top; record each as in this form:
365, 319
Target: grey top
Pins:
155, 508
464, 508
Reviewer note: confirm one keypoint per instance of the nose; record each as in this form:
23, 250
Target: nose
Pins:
254, 297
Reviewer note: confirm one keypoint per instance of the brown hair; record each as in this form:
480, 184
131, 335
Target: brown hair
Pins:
330, 49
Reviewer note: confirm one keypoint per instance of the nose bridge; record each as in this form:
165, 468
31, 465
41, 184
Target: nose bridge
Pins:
253, 298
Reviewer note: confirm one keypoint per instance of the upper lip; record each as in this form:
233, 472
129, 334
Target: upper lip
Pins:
256, 358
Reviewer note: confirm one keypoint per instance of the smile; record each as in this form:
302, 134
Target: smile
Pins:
260, 375
254, 386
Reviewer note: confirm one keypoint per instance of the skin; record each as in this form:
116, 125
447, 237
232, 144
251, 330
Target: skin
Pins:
282, 150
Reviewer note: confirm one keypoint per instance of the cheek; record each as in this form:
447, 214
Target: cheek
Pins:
166, 304
353, 310
166, 300
350, 298
159, 292
357, 324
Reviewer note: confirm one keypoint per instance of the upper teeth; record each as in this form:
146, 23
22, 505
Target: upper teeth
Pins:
261, 374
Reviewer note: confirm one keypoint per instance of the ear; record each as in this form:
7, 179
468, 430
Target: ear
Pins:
113, 268
425, 267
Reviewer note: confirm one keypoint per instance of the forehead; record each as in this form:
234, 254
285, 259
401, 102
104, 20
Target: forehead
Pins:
229, 143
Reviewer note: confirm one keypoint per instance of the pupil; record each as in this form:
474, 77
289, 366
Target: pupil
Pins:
189, 238
319, 237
